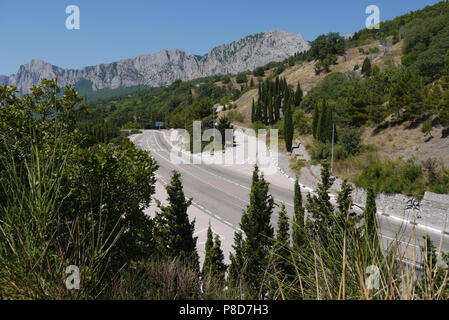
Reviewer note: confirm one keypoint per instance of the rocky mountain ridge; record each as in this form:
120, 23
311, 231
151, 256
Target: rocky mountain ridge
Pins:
166, 66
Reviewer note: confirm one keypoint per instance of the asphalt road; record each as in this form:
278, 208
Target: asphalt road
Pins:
221, 193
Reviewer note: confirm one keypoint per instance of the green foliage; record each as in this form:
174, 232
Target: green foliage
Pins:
427, 128
131, 125
71, 204
350, 140
173, 231
426, 44
288, 127
323, 151
283, 267
366, 67
172, 104
302, 123
213, 268
327, 45
406, 97
320, 207
298, 237
324, 129
259, 72
298, 95
235, 116
226, 79
241, 78
392, 177
252, 253
273, 97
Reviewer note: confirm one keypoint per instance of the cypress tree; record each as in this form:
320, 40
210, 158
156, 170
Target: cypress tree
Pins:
259, 111
173, 231
298, 95
251, 257
277, 107
208, 251
235, 275
288, 127
370, 215
316, 117
282, 258
223, 125
214, 268
298, 220
320, 207
322, 127
253, 112
217, 260
329, 125
270, 108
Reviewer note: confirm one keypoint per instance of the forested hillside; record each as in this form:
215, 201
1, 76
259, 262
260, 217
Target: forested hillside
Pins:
376, 81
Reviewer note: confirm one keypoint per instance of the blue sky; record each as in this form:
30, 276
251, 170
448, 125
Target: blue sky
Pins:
114, 30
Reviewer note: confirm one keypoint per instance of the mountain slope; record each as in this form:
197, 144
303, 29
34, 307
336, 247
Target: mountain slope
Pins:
164, 67
3, 80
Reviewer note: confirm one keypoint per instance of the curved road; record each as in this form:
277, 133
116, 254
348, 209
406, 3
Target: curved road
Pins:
222, 193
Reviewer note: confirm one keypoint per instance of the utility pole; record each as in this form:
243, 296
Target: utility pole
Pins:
333, 138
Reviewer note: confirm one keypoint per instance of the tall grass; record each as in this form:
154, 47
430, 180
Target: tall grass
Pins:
354, 266
37, 243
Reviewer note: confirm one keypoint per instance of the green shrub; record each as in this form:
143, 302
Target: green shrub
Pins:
241, 78
301, 122
392, 176
258, 126
350, 140
226, 79
259, 72
235, 116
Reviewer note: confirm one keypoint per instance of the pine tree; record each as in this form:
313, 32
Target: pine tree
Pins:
173, 231
288, 127
366, 68
251, 257
406, 97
